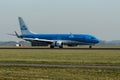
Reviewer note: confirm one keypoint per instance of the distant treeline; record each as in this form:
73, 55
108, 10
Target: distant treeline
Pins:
13, 43
111, 43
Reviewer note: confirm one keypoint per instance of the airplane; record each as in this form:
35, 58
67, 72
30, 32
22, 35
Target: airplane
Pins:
55, 40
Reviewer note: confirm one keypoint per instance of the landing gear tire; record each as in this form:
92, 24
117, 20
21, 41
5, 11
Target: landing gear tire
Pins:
60, 46
51, 46
90, 46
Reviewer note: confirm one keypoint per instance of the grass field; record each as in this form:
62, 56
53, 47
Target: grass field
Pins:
40, 73
80, 57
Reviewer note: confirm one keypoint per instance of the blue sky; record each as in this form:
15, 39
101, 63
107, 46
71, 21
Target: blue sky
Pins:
97, 17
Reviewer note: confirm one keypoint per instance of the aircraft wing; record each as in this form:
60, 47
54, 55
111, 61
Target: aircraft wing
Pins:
38, 40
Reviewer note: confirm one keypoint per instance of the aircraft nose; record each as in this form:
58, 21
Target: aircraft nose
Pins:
97, 41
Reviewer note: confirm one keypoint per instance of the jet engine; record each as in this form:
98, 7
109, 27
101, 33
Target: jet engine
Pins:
57, 43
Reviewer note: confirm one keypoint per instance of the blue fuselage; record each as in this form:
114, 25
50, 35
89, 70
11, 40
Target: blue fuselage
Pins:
66, 38
57, 40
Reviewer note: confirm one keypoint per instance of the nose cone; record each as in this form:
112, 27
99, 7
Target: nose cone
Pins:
97, 41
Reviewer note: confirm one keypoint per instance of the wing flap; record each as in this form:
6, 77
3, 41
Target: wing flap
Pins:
39, 40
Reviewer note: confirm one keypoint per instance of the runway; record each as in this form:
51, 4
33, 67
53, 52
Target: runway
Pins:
33, 48
57, 65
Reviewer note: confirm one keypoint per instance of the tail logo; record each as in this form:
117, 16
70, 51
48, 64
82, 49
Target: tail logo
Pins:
23, 27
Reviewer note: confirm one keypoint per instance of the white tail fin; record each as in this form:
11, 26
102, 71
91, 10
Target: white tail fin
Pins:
24, 29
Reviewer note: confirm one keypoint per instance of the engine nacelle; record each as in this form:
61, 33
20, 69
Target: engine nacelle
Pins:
58, 44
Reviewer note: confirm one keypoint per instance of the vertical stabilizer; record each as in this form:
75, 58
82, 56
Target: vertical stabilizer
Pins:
24, 29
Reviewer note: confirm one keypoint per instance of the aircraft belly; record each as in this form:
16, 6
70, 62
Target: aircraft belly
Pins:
66, 42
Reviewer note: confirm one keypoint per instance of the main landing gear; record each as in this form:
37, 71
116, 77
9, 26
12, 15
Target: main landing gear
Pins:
51, 46
90, 46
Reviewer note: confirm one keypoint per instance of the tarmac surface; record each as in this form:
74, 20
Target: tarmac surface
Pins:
59, 48
57, 65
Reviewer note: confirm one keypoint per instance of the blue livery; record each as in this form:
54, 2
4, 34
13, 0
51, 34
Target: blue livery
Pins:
56, 39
